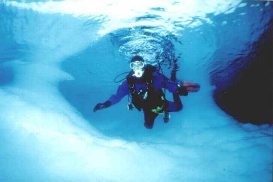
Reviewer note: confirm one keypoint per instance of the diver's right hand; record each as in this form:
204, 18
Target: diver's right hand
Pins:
100, 106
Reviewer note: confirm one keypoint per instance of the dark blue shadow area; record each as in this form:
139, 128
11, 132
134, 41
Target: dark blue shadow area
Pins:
244, 85
10, 54
10, 50
248, 94
6, 75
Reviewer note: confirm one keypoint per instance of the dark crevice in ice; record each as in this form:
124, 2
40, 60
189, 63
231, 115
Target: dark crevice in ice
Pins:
249, 98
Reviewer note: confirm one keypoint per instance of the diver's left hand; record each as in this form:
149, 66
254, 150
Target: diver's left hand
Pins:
100, 106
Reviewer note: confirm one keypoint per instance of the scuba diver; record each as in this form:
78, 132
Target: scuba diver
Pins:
144, 85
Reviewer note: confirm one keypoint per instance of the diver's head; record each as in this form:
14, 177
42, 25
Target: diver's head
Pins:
137, 65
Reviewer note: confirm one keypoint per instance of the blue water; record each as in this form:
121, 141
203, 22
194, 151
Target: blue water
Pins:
59, 58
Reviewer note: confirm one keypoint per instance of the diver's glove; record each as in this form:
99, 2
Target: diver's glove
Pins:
100, 106
182, 90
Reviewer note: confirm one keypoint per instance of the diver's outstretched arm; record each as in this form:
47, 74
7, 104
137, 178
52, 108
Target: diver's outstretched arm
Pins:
122, 91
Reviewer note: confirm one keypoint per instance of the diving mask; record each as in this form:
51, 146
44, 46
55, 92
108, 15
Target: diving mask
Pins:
137, 67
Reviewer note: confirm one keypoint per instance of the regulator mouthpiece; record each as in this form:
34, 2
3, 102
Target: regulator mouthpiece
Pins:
138, 73
138, 68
